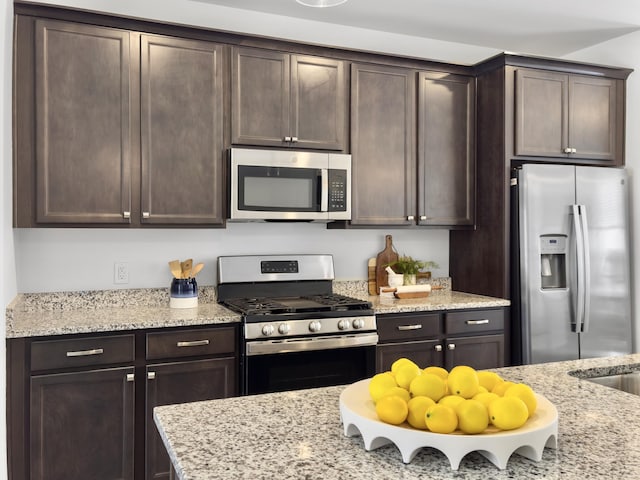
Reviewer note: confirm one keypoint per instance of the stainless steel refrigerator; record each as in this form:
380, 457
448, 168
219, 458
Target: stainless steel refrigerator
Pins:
571, 263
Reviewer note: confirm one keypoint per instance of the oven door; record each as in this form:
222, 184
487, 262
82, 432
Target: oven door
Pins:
293, 364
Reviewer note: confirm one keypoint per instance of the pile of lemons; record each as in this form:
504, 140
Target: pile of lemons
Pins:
463, 399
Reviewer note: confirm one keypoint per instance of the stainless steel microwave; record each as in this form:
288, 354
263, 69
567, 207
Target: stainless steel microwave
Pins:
289, 185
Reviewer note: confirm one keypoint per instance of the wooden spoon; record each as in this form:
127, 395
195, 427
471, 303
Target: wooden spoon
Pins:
196, 269
174, 265
186, 268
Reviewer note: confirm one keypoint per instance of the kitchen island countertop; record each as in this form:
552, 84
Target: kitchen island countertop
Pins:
298, 435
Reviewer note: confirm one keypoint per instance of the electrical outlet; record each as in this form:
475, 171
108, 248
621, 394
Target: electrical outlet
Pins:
121, 272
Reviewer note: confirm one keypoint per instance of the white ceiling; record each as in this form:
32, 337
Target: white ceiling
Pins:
538, 27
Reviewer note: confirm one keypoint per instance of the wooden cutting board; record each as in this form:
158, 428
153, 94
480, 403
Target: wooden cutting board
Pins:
371, 276
385, 257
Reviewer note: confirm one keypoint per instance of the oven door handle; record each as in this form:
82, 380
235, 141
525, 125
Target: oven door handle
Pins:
267, 347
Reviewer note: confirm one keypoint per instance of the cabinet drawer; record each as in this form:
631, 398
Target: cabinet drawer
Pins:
407, 327
473, 321
82, 352
189, 343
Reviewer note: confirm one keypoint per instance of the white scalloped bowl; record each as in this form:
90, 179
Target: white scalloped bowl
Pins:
358, 416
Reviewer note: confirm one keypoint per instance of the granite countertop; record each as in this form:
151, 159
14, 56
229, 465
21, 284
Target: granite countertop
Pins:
298, 435
34, 315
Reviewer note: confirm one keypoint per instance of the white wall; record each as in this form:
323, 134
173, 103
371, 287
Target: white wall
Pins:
623, 52
8, 275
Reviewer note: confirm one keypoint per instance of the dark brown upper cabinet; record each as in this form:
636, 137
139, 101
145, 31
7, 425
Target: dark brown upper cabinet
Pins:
83, 123
446, 149
182, 131
383, 124
123, 129
285, 100
568, 116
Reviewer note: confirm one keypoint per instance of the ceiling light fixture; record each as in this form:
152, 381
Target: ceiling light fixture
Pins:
321, 3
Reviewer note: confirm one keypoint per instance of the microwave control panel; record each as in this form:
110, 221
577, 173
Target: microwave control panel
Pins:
337, 190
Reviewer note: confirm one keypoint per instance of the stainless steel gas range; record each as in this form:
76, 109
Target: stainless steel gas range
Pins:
296, 332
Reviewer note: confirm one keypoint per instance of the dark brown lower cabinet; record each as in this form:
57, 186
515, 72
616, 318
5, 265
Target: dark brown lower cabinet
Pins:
474, 337
181, 382
81, 425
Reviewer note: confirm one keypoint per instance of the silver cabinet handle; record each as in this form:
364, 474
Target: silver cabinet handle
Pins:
423, 217
451, 346
151, 375
131, 377
294, 139
85, 353
477, 322
403, 328
438, 348
411, 217
146, 214
126, 214
194, 343
567, 150
287, 139
573, 150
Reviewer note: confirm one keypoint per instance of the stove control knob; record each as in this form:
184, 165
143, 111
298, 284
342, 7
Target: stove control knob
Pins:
315, 326
283, 328
344, 324
358, 323
267, 330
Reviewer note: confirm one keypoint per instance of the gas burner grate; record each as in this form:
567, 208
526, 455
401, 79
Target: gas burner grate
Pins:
340, 302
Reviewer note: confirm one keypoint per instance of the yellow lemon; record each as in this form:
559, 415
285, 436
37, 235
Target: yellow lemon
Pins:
392, 409
399, 362
508, 413
399, 391
439, 371
463, 381
441, 418
406, 373
482, 389
428, 385
488, 379
485, 397
379, 384
473, 416
450, 400
525, 393
417, 411
501, 387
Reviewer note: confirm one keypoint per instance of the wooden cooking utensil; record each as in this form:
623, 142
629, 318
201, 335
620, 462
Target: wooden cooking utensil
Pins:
174, 266
196, 269
186, 268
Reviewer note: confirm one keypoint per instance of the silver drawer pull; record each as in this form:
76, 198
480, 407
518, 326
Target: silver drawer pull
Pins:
451, 346
195, 343
151, 375
85, 353
438, 348
131, 377
403, 328
477, 322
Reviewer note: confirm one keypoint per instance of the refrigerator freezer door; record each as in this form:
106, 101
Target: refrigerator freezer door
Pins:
604, 193
546, 194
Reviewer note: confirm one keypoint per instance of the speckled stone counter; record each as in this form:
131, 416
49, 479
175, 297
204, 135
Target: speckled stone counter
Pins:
33, 315
298, 435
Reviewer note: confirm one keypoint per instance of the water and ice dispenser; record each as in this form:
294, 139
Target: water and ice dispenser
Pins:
553, 255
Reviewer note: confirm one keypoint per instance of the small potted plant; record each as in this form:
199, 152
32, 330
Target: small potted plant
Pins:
410, 268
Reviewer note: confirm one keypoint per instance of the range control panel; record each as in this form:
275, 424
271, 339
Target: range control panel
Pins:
279, 266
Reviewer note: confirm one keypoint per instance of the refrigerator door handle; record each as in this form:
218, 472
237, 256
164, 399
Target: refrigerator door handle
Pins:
586, 272
579, 305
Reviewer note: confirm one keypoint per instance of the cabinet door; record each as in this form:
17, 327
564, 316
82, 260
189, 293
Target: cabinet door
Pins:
383, 109
83, 151
541, 113
181, 131
318, 102
446, 149
182, 382
82, 425
479, 352
593, 117
424, 353
260, 102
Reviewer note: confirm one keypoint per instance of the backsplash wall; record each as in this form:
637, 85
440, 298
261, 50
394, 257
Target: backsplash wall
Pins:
57, 260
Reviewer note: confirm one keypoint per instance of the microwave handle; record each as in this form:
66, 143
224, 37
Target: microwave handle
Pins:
324, 198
